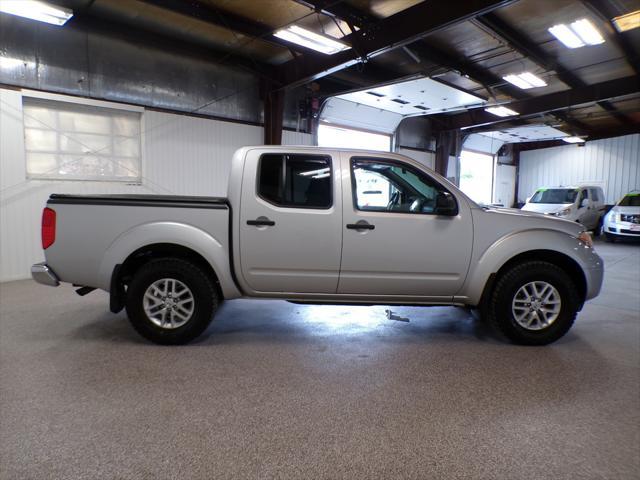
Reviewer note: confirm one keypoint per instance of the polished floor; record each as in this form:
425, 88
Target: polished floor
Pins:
276, 390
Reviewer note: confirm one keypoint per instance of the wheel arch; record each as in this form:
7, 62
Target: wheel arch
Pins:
561, 260
124, 272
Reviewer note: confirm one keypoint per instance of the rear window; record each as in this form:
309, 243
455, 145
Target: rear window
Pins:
299, 181
630, 200
554, 195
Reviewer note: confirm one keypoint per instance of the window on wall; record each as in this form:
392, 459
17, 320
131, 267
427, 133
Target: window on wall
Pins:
340, 137
70, 141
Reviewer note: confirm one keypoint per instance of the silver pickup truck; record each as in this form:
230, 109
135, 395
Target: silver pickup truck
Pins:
315, 225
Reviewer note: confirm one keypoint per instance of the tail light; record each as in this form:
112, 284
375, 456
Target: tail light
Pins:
48, 227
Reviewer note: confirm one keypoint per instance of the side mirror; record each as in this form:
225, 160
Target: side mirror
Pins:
446, 205
527, 200
585, 203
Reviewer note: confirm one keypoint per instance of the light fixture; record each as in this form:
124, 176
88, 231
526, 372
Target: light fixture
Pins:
578, 34
525, 80
37, 10
312, 40
628, 21
573, 139
587, 32
501, 111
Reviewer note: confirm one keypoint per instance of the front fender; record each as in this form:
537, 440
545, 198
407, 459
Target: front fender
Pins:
201, 242
491, 259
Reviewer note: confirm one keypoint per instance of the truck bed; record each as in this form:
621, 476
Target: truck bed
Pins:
96, 232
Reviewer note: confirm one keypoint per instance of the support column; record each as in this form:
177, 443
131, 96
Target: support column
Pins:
273, 112
447, 144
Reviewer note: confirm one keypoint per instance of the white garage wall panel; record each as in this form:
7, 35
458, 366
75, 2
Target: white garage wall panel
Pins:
181, 155
613, 163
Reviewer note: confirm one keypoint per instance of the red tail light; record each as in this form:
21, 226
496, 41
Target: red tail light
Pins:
48, 227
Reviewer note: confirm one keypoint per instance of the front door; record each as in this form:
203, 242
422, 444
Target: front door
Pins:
393, 242
290, 222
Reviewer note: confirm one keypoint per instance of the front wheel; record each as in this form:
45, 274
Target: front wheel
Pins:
171, 301
534, 303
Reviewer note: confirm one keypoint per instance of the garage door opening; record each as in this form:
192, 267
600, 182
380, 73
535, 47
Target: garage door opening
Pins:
340, 137
476, 176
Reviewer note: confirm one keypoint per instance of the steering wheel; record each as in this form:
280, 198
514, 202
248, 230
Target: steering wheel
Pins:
417, 205
393, 200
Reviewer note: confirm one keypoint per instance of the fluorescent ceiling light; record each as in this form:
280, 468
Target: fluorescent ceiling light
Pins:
501, 111
587, 32
525, 80
36, 10
578, 34
573, 139
627, 22
312, 40
566, 36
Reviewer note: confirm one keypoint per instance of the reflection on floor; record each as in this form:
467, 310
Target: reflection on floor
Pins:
281, 390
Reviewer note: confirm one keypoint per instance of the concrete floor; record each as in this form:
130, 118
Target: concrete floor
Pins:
276, 390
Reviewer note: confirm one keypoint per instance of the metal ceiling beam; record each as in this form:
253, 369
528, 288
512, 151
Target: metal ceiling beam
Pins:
209, 14
537, 54
605, 11
393, 32
435, 55
549, 103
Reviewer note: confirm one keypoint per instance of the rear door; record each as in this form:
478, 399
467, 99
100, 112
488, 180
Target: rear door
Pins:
290, 222
393, 242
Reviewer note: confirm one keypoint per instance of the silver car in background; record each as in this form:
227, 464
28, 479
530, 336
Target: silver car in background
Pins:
623, 220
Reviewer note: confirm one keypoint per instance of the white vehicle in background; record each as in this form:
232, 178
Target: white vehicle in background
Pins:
623, 220
584, 204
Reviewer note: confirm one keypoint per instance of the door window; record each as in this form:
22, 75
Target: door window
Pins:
298, 181
388, 186
595, 197
583, 197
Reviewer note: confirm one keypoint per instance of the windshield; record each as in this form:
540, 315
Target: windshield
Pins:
630, 200
554, 195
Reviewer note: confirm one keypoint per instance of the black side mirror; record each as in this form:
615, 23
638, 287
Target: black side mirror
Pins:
446, 205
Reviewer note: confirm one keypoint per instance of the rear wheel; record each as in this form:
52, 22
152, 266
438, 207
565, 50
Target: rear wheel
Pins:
534, 303
171, 301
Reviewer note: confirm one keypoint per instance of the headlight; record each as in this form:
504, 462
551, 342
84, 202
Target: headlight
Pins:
585, 237
563, 213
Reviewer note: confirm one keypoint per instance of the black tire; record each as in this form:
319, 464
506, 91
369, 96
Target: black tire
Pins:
598, 230
609, 238
205, 300
497, 307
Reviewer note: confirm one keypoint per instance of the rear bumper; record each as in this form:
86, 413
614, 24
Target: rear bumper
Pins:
41, 273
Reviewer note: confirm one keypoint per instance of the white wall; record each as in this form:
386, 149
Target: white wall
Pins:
613, 163
181, 155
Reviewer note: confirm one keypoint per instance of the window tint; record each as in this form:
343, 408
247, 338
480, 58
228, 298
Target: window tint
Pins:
583, 196
595, 195
301, 181
630, 200
554, 195
381, 185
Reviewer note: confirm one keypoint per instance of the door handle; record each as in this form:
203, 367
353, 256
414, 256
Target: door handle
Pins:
261, 223
360, 226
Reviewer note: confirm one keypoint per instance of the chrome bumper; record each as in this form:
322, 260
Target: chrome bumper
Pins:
41, 273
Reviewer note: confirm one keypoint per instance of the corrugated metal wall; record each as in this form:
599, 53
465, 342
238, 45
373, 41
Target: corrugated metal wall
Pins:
181, 155
612, 163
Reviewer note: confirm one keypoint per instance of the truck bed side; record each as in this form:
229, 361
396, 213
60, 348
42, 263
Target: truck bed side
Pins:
94, 233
